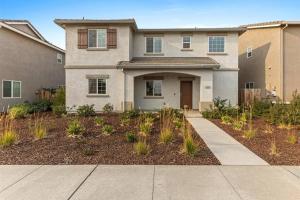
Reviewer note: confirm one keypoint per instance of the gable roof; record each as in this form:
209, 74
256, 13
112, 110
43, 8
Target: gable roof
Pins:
169, 62
8, 24
270, 24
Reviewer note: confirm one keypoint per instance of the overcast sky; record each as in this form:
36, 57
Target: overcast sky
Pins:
148, 13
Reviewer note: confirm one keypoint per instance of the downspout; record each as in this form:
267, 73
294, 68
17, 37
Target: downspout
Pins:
282, 61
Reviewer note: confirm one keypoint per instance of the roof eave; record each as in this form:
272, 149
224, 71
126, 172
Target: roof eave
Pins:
169, 66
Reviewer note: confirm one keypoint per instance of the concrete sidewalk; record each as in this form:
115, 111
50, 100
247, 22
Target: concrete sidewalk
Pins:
89, 182
223, 146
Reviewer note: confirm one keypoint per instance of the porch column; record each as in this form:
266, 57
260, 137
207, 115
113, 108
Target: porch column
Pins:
128, 103
206, 90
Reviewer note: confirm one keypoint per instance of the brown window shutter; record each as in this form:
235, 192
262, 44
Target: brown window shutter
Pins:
82, 38
112, 38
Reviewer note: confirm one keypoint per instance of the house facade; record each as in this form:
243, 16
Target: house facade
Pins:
269, 58
27, 63
113, 61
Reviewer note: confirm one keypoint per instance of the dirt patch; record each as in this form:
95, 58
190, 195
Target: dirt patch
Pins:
289, 154
96, 148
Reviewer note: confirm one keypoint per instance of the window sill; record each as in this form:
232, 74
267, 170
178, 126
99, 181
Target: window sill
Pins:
154, 54
97, 95
187, 49
96, 49
217, 54
153, 97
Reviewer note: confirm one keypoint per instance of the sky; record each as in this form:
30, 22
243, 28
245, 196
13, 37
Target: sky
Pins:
148, 13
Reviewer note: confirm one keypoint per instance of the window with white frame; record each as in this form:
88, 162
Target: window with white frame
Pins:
153, 44
59, 58
249, 85
97, 38
186, 41
11, 89
249, 52
216, 44
97, 86
153, 88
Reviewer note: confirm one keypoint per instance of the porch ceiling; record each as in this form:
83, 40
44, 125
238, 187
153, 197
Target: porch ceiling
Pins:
169, 63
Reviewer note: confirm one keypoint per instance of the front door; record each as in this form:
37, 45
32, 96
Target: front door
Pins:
186, 94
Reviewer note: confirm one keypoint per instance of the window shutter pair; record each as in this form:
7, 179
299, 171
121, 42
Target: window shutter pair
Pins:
83, 38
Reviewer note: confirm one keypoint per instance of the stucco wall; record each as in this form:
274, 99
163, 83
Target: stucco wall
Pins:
172, 47
170, 92
77, 88
25, 60
263, 67
291, 56
86, 57
226, 86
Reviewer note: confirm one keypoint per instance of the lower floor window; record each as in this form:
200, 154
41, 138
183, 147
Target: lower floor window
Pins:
249, 85
11, 89
97, 86
153, 88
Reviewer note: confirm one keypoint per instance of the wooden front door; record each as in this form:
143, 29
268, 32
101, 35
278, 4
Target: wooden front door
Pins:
186, 94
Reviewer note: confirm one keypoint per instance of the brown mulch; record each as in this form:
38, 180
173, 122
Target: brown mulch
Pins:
289, 154
96, 148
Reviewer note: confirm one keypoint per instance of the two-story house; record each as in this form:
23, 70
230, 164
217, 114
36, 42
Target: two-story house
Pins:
113, 61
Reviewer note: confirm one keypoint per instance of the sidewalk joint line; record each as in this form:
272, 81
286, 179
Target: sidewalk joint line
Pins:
153, 181
82, 182
290, 172
34, 170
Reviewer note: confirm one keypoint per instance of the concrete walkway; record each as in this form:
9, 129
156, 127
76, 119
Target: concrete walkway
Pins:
91, 182
224, 147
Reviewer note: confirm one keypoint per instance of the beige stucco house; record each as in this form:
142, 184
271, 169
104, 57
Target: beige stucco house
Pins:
27, 63
269, 58
113, 61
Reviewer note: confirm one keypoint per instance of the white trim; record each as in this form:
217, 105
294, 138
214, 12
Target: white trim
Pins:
97, 46
224, 36
153, 52
186, 42
31, 37
161, 88
264, 26
97, 94
12, 94
249, 50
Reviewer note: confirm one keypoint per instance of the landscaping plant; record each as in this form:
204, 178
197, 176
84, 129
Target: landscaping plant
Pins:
18, 111
141, 148
99, 121
107, 129
250, 132
86, 110
38, 128
166, 125
273, 149
190, 147
292, 138
226, 120
108, 108
130, 137
75, 128
59, 102
8, 136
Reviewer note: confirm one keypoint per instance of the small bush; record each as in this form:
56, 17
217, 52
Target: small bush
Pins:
88, 151
177, 123
292, 138
141, 148
189, 146
39, 130
59, 110
166, 136
75, 128
86, 110
108, 108
131, 114
124, 121
249, 133
18, 111
130, 137
59, 106
273, 149
40, 106
261, 108
237, 125
145, 128
99, 121
107, 129
226, 120
8, 138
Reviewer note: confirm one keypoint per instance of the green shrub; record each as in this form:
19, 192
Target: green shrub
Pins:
141, 148
130, 114
58, 106
249, 133
108, 108
59, 110
75, 128
39, 129
178, 123
124, 121
86, 110
18, 111
166, 136
226, 120
261, 108
292, 138
189, 146
40, 106
130, 137
107, 129
145, 128
8, 138
99, 121
237, 125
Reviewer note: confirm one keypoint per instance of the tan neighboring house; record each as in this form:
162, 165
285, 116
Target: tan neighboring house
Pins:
27, 63
269, 58
113, 61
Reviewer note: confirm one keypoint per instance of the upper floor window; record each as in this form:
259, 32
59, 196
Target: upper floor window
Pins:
249, 52
249, 85
97, 38
11, 89
153, 44
59, 58
186, 42
216, 44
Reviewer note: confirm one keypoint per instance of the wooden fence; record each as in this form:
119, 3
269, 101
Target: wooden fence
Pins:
248, 96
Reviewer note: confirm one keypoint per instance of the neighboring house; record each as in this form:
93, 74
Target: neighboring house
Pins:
27, 63
113, 61
269, 58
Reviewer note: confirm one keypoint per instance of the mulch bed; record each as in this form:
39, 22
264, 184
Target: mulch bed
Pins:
289, 154
96, 148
